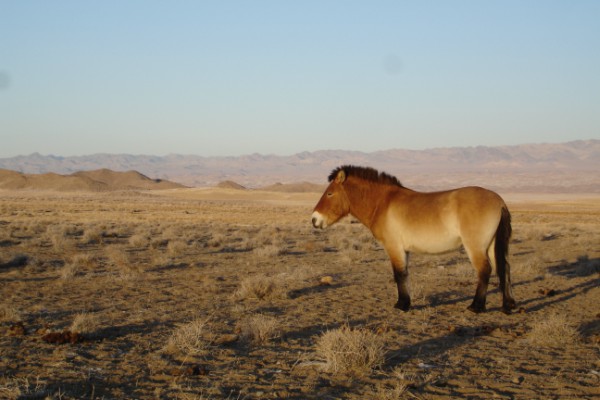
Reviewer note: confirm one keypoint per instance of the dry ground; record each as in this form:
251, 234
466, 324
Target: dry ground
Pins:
211, 294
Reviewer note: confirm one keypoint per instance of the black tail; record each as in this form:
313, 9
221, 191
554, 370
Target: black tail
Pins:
503, 234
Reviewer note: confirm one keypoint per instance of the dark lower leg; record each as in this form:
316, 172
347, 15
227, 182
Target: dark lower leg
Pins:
401, 278
478, 304
508, 302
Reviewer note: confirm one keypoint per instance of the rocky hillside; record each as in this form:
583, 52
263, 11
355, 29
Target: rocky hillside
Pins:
564, 167
96, 181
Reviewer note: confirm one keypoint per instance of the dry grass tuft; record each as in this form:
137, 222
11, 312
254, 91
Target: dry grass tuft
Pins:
92, 235
58, 238
176, 247
23, 388
120, 259
217, 240
259, 328
139, 240
553, 330
193, 338
258, 286
269, 250
396, 390
350, 350
85, 323
69, 271
9, 313
77, 264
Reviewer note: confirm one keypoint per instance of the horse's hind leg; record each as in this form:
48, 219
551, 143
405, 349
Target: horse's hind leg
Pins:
502, 267
399, 265
480, 261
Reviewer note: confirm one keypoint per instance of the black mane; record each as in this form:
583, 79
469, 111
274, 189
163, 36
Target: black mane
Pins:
366, 173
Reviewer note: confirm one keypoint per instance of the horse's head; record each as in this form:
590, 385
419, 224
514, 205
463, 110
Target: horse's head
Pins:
334, 203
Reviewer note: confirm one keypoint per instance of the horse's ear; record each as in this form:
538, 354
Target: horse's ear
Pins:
341, 177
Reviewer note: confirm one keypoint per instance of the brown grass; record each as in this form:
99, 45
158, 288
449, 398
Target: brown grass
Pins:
139, 272
259, 328
23, 388
85, 323
9, 313
553, 330
192, 338
259, 286
345, 349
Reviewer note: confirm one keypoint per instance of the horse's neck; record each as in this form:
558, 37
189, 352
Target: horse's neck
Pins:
366, 200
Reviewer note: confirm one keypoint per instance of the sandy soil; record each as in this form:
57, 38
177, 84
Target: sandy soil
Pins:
211, 294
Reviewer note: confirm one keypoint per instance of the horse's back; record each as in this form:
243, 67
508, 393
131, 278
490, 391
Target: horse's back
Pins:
434, 222
477, 202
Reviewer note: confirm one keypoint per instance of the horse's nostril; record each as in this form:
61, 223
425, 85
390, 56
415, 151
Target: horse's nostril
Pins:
314, 221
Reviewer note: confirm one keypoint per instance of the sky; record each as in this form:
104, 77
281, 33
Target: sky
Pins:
226, 78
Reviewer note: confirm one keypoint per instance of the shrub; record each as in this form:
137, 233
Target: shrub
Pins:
85, 323
92, 235
73, 268
176, 247
9, 314
58, 238
270, 250
193, 338
258, 286
217, 240
139, 240
350, 350
553, 330
259, 328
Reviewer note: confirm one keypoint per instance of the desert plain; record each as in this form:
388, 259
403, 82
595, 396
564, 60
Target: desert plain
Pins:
228, 294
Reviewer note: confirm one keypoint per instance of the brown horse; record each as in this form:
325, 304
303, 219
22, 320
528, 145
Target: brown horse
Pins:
404, 220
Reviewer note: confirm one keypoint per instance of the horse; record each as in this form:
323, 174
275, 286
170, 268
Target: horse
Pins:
405, 220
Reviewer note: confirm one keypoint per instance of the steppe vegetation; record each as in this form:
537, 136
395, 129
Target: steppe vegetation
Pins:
190, 294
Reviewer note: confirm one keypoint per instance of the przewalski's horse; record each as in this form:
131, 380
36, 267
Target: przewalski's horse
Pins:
404, 220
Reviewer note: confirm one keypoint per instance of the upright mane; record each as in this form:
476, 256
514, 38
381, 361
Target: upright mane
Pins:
366, 173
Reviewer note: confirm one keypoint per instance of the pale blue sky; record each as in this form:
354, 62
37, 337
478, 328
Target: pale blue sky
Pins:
238, 77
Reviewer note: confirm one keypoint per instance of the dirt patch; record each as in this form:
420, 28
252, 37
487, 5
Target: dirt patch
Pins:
185, 295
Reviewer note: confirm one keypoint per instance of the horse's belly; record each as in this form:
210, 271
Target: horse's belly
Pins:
432, 243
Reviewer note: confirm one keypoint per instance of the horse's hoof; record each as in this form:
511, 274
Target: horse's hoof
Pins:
402, 306
476, 308
509, 305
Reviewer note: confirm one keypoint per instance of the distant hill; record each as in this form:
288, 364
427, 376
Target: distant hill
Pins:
301, 187
560, 167
230, 185
96, 181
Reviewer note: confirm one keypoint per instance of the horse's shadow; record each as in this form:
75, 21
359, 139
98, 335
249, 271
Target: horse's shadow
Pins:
318, 288
535, 300
429, 348
584, 266
17, 262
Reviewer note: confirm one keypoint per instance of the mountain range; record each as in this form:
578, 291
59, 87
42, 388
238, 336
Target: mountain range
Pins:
101, 180
561, 167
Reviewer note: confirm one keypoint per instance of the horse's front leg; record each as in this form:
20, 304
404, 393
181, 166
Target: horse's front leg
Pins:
400, 267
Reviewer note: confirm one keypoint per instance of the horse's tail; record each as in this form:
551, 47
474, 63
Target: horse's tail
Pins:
503, 233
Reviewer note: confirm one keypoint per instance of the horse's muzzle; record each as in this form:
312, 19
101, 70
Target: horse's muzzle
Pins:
314, 222
318, 221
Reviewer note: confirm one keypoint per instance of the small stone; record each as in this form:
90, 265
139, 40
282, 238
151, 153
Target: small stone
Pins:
326, 280
17, 329
226, 339
548, 292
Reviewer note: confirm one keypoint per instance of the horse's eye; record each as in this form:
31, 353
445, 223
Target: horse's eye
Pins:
329, 194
